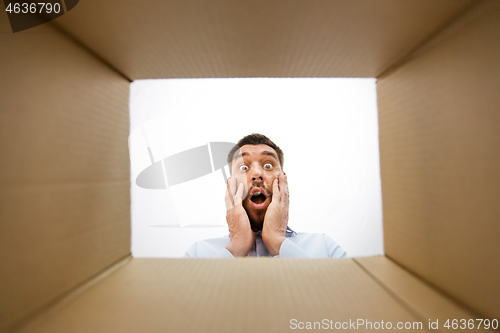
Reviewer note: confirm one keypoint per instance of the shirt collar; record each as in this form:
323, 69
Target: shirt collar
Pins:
288, 233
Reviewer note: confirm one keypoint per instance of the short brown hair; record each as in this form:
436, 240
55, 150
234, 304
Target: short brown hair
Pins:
255, 139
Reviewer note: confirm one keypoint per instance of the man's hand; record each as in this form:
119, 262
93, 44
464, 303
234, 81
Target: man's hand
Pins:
240, 231
276, 219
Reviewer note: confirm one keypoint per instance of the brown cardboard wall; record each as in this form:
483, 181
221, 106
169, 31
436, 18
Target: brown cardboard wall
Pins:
226, 295
439, 119
64, 170
425, 302
259, 38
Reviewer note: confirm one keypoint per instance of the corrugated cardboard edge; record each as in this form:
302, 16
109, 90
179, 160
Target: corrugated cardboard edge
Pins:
65, 175
178, 39
173, 286
57, 304
439, 139
419, 298
448, 28
225, 295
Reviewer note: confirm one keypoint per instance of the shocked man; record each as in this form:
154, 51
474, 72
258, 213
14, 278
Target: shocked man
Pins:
257, 200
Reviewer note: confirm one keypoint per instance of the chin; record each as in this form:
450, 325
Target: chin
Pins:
256, 217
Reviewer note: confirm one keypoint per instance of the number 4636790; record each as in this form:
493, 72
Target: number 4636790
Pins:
41, 7
471, 324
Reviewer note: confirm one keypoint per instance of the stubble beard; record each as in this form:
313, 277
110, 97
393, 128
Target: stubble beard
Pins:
255, 216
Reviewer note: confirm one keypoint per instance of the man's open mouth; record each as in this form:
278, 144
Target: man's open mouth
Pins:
258, 198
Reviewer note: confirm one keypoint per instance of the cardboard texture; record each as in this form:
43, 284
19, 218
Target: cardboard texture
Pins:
64, 172
284, 38
439, 126
423, 301
242, 295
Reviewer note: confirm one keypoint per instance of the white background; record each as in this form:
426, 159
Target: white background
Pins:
327, 129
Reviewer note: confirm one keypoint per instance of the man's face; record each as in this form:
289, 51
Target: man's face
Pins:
256, 166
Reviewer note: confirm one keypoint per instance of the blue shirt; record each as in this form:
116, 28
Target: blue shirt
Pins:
295, 245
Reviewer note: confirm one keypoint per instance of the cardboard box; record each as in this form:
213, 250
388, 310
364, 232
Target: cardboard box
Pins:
64, 195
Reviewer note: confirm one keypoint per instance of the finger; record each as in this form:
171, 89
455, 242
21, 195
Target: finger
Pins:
276, 191
228, 200
232, 185
229, 192
284, 189
239, 195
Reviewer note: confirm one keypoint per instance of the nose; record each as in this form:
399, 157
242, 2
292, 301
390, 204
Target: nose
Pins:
256, 173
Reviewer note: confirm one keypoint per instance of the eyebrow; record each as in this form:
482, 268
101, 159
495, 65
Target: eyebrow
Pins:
265, 152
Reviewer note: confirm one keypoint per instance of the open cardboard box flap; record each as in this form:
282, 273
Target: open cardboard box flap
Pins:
64, 195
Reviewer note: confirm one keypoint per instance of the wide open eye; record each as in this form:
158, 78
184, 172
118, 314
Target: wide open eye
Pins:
243, 168
268, 166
